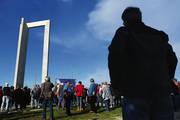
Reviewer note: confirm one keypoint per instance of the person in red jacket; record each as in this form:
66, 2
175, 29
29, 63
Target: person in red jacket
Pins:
79, 93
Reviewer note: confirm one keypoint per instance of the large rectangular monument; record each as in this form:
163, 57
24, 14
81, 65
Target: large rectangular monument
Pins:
22, 50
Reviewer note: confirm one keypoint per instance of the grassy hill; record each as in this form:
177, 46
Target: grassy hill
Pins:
35, 114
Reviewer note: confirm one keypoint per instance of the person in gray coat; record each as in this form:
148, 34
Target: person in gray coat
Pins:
47, 96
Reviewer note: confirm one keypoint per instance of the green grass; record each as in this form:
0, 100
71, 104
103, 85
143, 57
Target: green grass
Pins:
114, 114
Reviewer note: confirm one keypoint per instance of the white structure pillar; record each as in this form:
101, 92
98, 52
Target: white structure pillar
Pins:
46, 51
22, 50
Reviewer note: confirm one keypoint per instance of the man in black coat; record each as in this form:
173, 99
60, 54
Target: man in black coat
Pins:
19, 98
141, 65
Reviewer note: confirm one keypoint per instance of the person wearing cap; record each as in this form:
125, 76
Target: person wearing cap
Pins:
67, 93
47, 96
141, 65
92, 96
5, 98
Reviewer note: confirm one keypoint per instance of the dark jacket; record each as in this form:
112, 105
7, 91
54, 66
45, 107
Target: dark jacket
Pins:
1, 93
19, 96
141, 61
46, 90
6, 91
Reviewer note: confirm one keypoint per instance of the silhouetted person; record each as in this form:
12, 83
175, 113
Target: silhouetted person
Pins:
26, 97
141, 65
19, 98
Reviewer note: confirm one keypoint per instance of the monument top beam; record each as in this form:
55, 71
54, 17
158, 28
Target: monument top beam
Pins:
37, 24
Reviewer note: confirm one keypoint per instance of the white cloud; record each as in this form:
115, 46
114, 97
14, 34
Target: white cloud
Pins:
79, 40
106, 17
82, 41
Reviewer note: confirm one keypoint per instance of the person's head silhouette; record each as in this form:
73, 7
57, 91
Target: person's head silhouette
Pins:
131, 15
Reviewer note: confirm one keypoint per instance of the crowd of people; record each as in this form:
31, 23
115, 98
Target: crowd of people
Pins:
142, 66
65, 96
11, 98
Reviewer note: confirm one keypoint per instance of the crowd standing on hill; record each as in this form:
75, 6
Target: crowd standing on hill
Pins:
65, 96
11, 98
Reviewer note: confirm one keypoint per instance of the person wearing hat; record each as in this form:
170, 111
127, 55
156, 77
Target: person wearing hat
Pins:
92, 96
67, 94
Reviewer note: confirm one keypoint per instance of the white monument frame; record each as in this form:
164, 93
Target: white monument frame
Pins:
22, 50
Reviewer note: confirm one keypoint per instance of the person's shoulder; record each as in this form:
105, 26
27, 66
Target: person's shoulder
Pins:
95, 85
122, 30
48, 82
163, 33
42, 84
81, 86
164, 36
51, 84
158, 32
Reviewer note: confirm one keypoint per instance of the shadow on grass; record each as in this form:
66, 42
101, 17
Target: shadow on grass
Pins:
59, 115
19, 115
74, 114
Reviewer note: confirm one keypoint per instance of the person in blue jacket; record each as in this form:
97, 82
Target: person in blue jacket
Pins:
92, 96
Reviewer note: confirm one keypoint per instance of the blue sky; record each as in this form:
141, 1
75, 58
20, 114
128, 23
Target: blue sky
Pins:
81, 31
